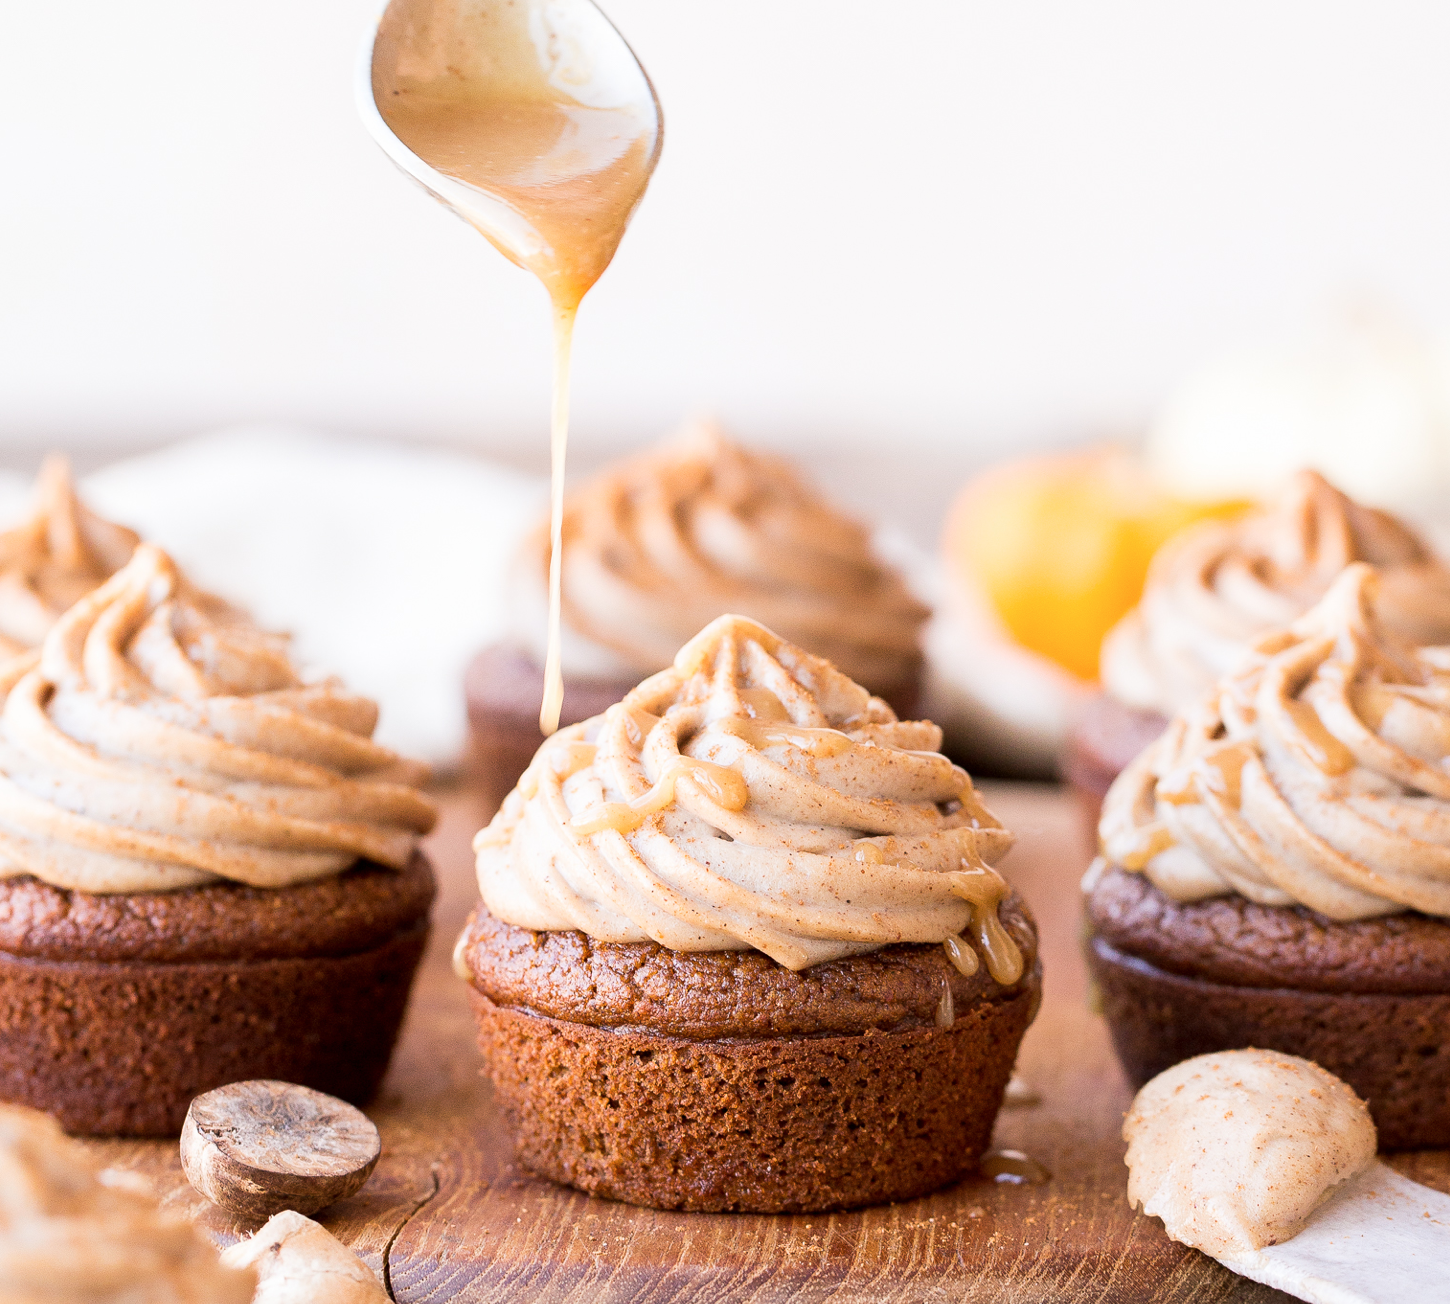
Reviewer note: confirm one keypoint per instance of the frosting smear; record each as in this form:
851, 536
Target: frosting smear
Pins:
751, 796
1235, 1150
161, 741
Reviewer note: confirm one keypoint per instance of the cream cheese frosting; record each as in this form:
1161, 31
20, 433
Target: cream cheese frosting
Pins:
1235, 1150
1216, 587
1317, 774
160, 741
660, 545
71, 1233
751, 796
57, 555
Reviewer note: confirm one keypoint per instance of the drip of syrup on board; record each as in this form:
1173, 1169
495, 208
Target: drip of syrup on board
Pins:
544, 115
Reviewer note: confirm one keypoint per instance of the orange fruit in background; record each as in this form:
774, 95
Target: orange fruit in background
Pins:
1060, 544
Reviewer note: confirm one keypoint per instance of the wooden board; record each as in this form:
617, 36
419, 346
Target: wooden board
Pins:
447, 1216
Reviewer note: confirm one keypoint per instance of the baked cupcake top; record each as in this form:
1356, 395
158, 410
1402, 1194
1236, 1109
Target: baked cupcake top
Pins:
660, 545
66, 1233
159, 740
1216, 587
751, 796
59, 554
1316, 774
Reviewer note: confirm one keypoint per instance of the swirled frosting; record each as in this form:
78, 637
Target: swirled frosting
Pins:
160, 741
658, 546
1215, 588
59, 554
1318, 774
751, 796
67, 1233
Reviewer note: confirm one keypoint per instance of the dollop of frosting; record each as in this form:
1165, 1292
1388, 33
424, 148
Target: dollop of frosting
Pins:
1213, 589
161, 741
660, 545
1318, 774
1235, 1150
56, 556
751, 796
69, 1232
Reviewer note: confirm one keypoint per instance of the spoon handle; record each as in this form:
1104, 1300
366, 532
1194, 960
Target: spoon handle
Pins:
1380, 1238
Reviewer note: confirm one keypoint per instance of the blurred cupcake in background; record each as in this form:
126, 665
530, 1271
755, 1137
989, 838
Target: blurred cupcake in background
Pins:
1041, 558
655, 548
53, 558
1214, 589
1363, 398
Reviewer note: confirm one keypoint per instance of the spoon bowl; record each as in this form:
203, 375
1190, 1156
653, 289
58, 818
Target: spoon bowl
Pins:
531, 119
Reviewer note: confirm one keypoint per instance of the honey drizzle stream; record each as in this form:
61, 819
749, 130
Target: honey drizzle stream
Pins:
553, 703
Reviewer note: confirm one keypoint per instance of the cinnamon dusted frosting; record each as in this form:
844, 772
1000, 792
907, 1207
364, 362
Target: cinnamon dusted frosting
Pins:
1215, 588
660, 545
159, 741
1235, 1150
1317, 774
751, 796
67, 1233
58, 555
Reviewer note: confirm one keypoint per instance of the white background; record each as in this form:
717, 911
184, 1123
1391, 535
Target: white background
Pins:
931, 224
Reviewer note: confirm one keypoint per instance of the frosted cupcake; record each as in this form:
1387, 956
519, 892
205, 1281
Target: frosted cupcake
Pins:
657, 547
742, 947
208, 871
1275, 868
1215, 588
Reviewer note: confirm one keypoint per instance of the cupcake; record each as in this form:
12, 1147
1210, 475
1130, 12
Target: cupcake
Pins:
657, 547
70, 1231
56, 556
740, 945
208, 871
1275, 868
1215, 588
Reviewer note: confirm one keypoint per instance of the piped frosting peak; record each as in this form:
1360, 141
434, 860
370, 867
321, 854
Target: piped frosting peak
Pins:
662, 543
1215, 588
751, 795
162, 741
1318, 774
57, 555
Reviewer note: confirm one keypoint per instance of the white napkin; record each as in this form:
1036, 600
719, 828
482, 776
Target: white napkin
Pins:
388, 564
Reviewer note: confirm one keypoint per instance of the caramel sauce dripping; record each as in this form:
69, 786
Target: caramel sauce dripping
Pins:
946, 1013
984, 889
724, 786
962, 956
761, 734
471, 91
1220, 770
1013, 1166
1315, 743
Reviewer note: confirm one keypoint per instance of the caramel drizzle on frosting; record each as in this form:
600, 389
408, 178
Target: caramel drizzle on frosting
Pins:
1318, 774
750, 796
57, 555
661, 544
160, 741
1217, 587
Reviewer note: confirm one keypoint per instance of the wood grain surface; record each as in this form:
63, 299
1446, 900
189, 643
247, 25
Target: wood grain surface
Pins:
447, 1216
